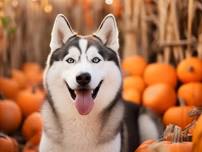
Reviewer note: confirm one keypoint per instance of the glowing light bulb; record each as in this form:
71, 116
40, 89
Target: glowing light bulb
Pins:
15, 3
109, 2
48, 8
1, 4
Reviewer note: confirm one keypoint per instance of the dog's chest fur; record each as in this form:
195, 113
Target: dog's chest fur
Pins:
77, 134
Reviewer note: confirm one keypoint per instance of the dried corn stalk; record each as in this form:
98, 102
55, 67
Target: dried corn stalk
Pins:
135, 28
169, 31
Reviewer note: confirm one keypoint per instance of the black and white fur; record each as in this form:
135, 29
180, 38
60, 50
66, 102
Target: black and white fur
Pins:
111, 125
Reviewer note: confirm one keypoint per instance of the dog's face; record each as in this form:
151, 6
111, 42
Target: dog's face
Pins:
83, 71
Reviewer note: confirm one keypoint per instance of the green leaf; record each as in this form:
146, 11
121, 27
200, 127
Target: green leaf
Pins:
5, 21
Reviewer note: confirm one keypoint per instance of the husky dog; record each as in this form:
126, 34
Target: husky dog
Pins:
84, 111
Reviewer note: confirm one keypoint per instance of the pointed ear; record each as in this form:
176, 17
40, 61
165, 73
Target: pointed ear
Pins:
61, 32
108, 32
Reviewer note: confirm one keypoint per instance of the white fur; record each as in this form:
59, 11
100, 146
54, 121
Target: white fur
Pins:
83, 45
60, 33
108, 32
147, 128
73, 53
80, 133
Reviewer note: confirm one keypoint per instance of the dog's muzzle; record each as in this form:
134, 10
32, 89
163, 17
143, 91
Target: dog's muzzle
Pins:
84, 97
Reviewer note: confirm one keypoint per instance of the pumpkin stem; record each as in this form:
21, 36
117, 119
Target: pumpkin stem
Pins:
181, 102
34, 87
195, 112
168, 133
2, 97
177, 134
191, 69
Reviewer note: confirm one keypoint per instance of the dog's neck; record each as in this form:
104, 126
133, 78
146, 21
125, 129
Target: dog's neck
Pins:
102, 127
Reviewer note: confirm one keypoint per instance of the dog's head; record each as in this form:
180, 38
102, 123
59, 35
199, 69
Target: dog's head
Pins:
83, 71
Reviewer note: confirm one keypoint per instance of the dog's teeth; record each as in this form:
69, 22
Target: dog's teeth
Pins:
91, 91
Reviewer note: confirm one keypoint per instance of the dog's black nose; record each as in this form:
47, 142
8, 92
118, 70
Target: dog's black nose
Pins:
83, 79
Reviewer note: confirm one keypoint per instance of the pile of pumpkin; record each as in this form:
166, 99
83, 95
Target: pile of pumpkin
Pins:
21, 97
170, 92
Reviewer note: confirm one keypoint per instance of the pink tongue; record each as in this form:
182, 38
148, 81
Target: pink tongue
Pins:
84, 102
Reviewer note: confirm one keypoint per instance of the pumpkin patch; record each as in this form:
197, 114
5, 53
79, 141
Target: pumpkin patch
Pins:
173, 93
178, 115
9, 87
154, 48
10, 116
134, 82
189, 70
132, 95
8, 144
159, 97
21, 98
197, 136
134, 65
30, 100
32, 127
191, 93
155, 73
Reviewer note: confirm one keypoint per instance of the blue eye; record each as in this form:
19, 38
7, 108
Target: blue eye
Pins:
70, 60
95, 60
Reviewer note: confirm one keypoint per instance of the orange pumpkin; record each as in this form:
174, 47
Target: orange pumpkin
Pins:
31, 66
160, 73
144, 147
190, 70
35, 140
10, 116
132, 95
178, 147
9, 87
8, 144
135, 82
172, 141
178, 116
33, 73
191, 93
197, 136
20, 77
32, 127
30, 100
134, 65
32, 144
159, 97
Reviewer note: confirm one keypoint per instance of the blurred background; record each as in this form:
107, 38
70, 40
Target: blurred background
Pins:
159, 30
161, 48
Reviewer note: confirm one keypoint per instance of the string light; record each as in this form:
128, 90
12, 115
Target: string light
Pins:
1, 4
45, 5
48, 8
109, 2
15, 3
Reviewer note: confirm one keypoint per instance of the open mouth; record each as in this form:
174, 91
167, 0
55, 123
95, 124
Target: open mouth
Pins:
84, 98
84, 89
